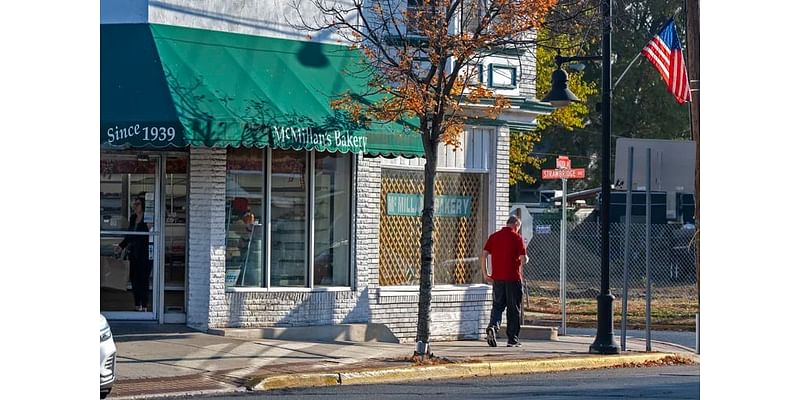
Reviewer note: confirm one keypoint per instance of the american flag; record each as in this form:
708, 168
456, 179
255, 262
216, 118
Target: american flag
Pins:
665, 52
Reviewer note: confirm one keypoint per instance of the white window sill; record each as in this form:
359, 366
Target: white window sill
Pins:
285, 290
439, 290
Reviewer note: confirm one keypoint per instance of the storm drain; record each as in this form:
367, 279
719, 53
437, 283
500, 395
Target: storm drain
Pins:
175, 385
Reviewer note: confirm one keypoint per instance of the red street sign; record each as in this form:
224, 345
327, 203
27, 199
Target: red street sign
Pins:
577, 173
563, 162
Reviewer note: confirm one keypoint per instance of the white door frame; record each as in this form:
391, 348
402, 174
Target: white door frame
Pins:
158, 249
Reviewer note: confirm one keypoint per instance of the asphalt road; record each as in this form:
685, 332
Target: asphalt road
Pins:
685, 339
669, 382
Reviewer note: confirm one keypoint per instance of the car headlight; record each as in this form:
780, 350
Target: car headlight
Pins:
105, 334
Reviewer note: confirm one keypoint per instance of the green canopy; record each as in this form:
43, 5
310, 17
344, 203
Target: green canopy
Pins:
134, 98
167, 86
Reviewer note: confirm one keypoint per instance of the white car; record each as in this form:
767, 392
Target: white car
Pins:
108, 358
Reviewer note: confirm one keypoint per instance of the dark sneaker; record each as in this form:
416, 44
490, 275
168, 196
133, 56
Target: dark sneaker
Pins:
491, 338
515, 343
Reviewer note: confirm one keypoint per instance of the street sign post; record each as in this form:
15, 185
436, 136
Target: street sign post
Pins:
563, 171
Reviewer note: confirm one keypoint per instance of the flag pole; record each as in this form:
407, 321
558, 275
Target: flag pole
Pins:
626, 70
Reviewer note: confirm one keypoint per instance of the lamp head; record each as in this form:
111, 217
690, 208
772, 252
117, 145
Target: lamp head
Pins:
560, 95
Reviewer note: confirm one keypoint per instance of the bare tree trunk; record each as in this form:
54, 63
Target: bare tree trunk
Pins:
693, 64
426, 250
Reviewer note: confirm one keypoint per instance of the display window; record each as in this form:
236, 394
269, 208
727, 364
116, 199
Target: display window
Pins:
244, 222
332, 219
460, 213
288, 218
303, 251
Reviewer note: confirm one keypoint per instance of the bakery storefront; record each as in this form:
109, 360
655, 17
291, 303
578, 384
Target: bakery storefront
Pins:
233, 196
228, 187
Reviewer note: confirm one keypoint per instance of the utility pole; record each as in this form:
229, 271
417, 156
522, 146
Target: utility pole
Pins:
693, 64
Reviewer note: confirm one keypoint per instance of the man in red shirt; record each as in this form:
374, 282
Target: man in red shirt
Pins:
508, 256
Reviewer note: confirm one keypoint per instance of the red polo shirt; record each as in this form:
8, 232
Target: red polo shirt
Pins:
505, 246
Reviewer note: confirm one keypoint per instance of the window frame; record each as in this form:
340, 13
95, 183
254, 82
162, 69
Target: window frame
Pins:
513, 69
266, 262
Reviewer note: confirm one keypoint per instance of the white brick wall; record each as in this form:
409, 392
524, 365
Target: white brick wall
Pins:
282, 308
368, 177
206, 266
453, 316
501, 177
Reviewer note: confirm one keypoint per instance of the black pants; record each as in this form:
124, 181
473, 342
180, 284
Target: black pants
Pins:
507, 295
140, 280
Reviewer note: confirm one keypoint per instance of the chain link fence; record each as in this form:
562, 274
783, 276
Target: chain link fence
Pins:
674, 293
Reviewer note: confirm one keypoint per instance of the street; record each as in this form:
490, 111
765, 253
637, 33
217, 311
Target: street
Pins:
668, 382
686, 339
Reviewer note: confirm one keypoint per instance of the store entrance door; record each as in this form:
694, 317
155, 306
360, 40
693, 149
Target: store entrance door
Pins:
130, 236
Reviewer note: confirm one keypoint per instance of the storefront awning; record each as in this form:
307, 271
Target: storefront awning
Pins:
167, 86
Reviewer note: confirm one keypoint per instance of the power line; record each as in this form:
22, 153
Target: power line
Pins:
560, 154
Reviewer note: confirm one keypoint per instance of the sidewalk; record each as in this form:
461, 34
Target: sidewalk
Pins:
170, 360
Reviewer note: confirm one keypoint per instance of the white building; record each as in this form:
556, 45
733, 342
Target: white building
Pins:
217, 114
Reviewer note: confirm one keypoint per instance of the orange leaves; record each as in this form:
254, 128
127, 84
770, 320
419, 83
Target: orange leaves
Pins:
347, 104
451, 132
500, 104
479, 92
425, 53
340, 103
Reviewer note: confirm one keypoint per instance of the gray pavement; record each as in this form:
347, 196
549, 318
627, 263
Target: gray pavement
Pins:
159, 360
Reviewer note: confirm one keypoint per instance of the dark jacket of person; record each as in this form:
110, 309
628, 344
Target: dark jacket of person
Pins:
136, 244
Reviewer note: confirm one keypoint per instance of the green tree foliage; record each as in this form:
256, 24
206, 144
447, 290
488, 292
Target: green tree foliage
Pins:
524, 164
641, 105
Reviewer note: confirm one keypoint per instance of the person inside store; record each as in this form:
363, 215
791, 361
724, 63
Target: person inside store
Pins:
138, 255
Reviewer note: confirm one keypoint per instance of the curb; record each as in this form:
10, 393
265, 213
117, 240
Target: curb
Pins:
450, 371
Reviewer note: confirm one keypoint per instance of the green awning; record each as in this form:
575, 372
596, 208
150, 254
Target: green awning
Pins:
134, 98
194, 87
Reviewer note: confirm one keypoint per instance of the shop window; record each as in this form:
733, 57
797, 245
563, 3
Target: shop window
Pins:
303, 251
244, 222
331, 219
459, 227
289, 218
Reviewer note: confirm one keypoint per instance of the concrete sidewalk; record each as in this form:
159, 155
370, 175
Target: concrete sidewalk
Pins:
170, 360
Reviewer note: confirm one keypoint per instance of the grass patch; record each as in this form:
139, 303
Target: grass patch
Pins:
670, 314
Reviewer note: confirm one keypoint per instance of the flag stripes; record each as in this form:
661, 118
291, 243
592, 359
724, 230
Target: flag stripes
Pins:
665, 53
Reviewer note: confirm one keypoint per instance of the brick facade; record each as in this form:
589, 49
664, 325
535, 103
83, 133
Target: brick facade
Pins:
205, 295
455, 312
500, 176
211, 306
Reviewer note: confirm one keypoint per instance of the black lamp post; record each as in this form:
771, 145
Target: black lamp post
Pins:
561, 96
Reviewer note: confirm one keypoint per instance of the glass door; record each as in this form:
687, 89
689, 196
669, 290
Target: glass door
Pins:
175, 207
130, 215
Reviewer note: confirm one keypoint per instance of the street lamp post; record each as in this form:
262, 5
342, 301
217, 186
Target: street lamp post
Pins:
561, 96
